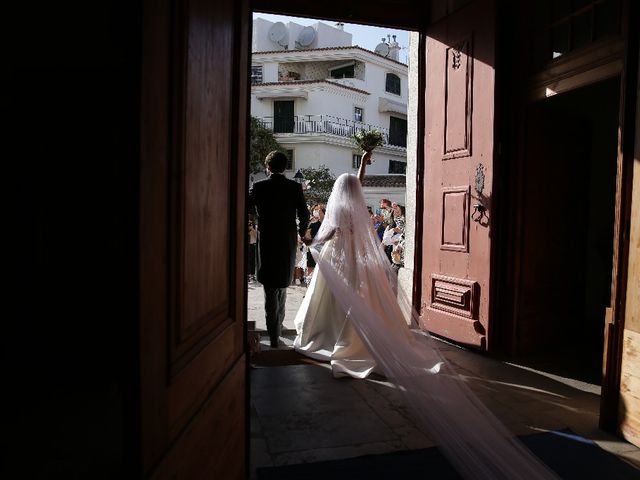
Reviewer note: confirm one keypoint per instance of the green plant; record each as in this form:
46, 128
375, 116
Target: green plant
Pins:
261, 143
320, 181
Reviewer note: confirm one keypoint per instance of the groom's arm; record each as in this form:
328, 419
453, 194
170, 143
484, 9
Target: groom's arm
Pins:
251, 201
302, 211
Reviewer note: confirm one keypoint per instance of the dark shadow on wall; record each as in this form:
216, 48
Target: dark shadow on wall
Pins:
72, 101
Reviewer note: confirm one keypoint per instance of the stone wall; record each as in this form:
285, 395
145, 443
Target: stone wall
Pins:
405, 276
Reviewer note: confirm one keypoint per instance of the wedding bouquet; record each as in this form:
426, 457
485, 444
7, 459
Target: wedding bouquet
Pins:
367, 140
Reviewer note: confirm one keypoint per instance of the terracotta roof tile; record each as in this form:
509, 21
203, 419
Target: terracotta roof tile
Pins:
385, 181
356, 47
307, 82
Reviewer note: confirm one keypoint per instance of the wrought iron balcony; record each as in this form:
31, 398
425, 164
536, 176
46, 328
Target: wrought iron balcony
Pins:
328, 124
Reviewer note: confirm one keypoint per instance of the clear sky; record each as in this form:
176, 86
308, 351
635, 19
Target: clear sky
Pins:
364, 36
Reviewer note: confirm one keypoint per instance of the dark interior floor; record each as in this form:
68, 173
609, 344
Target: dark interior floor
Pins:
301, 414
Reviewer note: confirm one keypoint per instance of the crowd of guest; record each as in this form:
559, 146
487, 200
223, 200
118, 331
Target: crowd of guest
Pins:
388, 222
305, 263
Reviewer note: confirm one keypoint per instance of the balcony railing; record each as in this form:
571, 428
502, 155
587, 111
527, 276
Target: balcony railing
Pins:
307, 124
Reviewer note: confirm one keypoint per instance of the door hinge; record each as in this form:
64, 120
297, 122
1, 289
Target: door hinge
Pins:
609, 317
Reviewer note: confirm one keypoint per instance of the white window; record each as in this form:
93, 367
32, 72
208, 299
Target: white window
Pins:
396, 166
392, 84
256, 74
346, 70
290, 159
358, 114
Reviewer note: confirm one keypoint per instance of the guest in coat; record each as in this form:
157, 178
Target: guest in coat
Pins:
277, 201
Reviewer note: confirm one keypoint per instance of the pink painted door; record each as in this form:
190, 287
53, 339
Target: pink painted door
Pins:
459, 152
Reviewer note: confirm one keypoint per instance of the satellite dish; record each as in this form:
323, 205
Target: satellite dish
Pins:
306, 36
382, 49
278, 34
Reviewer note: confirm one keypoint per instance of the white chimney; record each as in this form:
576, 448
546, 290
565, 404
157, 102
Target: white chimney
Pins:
394, 49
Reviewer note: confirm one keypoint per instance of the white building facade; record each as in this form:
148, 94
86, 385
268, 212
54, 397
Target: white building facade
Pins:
313, 89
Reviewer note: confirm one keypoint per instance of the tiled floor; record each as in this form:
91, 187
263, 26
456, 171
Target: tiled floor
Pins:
300, 413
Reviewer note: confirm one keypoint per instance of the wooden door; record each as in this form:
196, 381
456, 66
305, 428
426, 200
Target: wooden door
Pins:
192, 217
283, 116
620, 399
628, 418
458, 175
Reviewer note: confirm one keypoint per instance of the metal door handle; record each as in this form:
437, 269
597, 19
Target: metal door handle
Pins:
479, 210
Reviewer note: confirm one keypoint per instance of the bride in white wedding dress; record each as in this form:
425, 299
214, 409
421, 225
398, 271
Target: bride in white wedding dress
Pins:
353, 316
325, 332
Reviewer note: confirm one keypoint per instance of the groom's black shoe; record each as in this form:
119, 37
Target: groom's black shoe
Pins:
275, 343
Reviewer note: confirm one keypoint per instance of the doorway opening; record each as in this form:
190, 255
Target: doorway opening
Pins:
312, 99
314, 83
568, 200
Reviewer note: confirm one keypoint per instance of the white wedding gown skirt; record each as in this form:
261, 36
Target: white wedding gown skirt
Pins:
325, 332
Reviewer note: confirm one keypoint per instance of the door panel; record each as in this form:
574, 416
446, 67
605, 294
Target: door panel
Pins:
459, 137
212, 444
192, 355
283, 116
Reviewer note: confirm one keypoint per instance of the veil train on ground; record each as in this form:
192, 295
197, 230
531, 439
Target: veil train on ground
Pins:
362, 281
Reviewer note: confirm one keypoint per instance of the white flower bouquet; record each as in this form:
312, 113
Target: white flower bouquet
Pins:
367, 140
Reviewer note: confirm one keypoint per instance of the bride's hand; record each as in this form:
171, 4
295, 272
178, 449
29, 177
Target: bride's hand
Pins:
367, 158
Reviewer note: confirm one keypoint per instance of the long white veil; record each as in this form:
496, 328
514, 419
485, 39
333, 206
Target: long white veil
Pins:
360, 277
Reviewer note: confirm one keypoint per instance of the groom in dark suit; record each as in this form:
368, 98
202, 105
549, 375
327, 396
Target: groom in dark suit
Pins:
277, 201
